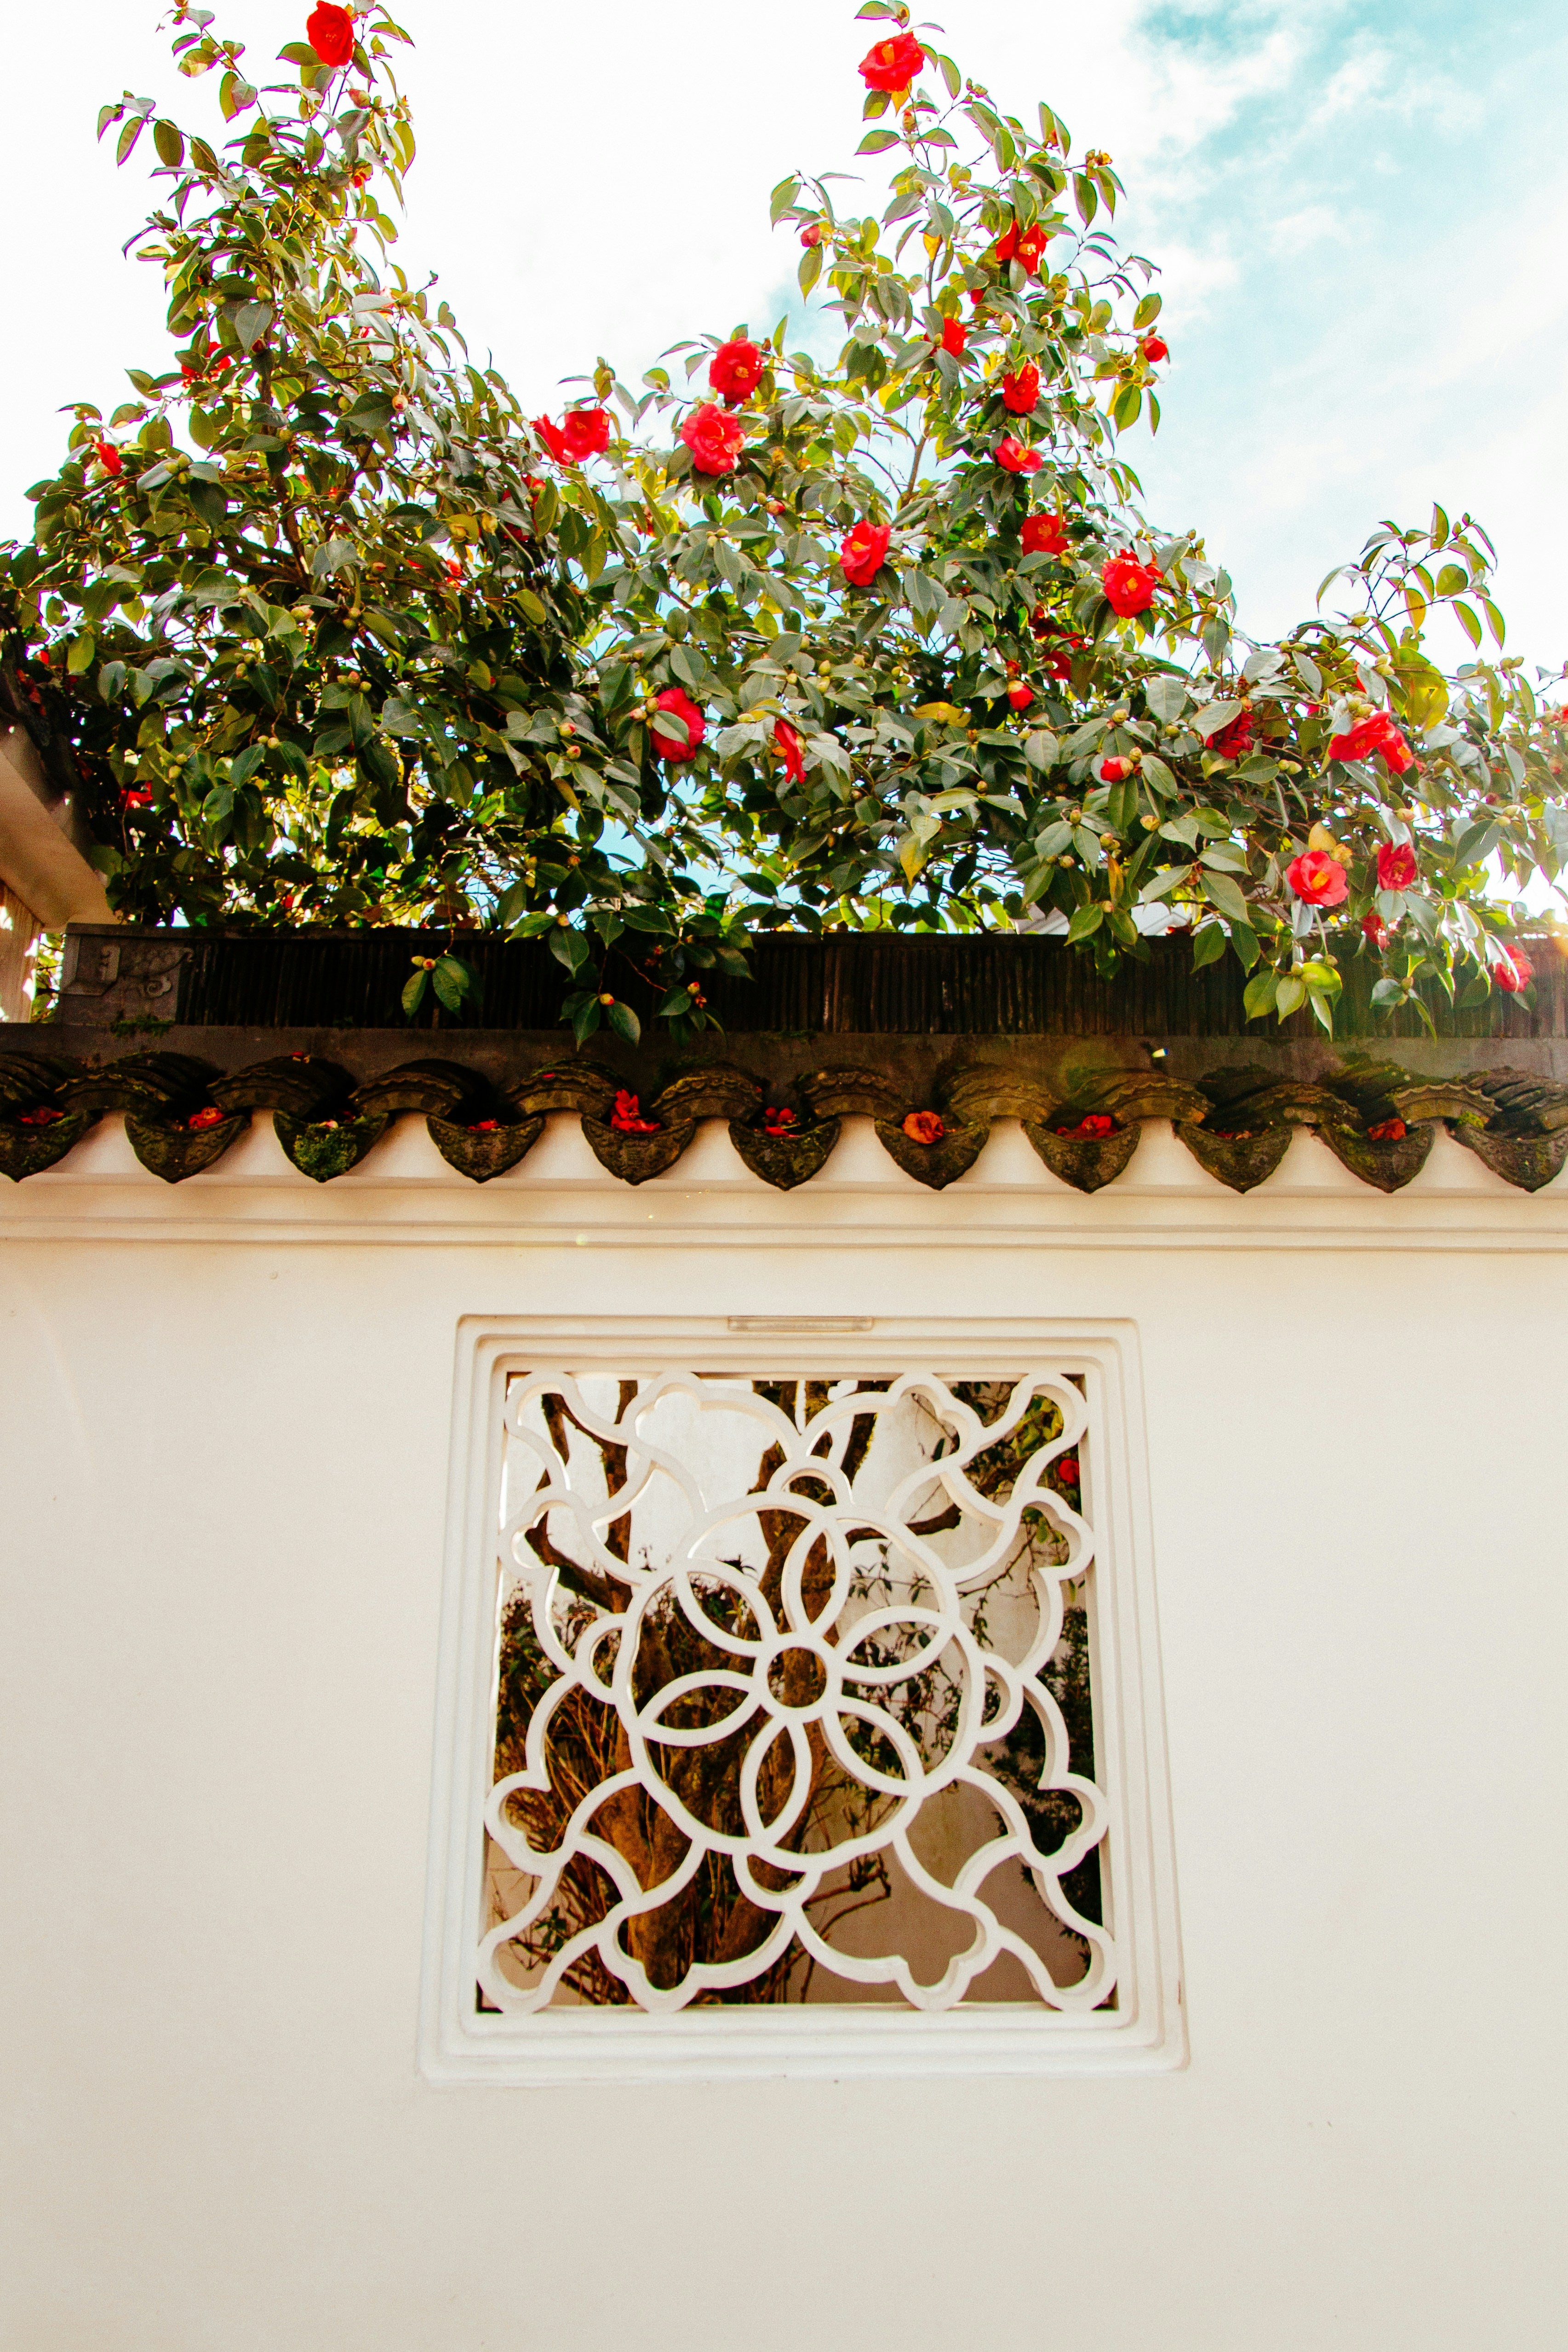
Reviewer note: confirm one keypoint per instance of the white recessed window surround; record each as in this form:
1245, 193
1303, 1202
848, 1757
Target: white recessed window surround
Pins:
800, 1707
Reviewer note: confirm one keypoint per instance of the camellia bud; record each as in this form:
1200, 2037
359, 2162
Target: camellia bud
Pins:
811, 235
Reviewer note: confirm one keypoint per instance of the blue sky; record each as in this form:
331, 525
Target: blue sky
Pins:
1361, 213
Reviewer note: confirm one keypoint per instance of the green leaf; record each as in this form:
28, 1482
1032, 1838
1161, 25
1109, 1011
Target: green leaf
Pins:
873, 144
570, 948
1208, 945
1258, 995
454, 980
1216, 716
128, 138
1289, 997
1086, 921
1163, 884
413, 993
624, 1022
251, 322
1121, 804
810, 270
169, 140
1221, 891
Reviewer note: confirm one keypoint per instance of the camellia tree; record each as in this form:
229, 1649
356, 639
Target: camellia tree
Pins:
884, 642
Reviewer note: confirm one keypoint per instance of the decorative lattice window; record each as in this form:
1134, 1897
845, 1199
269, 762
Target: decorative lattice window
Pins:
802, 1718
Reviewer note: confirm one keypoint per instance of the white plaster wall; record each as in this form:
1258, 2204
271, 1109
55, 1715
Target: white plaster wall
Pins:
224, 1409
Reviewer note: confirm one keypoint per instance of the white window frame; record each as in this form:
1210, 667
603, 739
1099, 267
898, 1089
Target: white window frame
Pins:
1144, 2033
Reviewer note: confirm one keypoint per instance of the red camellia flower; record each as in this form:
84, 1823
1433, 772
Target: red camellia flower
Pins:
1021, 389
1128, 585
1395, 865
1022, 245
108, 457
331, 33
924, 1127
1095, 1125
585, 433
1019, 694
200, 1120
1318, 880
554, 439
1155, 348
1011, 452
136, 796
41, 1115
627, 1118
483, 1125
1068, 1470
735, 371
892, 64
863, 552
1387, 1131
1377, 733
777, 1121
1514, 970
1113, 770
676, 700
788, 740
1045, 534
714, 440
1375, 929
955, 337
810, 234
1235, 741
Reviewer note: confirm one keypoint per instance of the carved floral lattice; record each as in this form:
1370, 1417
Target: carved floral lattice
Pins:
785, 1672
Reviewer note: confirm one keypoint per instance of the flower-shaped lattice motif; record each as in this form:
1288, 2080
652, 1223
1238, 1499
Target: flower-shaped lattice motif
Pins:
767, 1631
